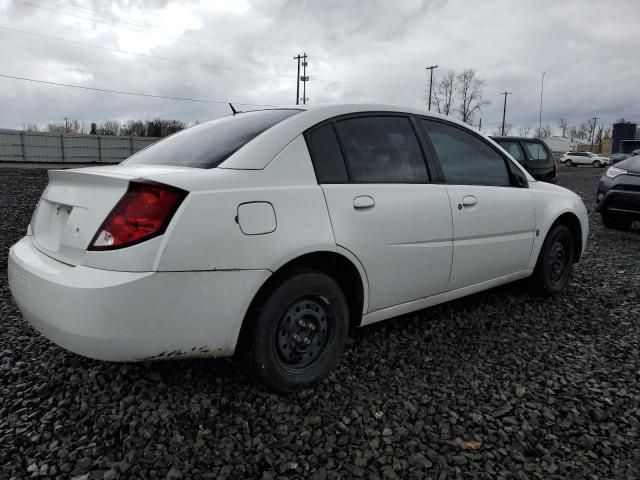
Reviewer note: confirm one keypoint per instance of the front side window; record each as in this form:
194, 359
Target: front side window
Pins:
382, 149
466, 159
514, 149
537, 152
209, 144
326, 155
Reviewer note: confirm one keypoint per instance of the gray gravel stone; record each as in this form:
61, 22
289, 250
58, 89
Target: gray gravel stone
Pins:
549, 387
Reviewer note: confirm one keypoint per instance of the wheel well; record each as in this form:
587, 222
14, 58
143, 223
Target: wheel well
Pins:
336, 266
570, 221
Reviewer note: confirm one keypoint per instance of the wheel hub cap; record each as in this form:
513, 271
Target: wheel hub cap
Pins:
303, 332
557, 262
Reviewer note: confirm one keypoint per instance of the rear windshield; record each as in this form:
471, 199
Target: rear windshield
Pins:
537, 152
209, 144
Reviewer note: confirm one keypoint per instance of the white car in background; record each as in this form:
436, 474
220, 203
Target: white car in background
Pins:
274, 232
573, 159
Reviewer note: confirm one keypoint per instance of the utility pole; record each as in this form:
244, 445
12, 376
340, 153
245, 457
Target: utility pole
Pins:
593, 129
504, 110
298, 57
540, 116
304, 79
480, 125
431, 68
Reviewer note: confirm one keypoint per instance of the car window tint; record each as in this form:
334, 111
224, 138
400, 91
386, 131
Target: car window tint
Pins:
514, 149
209, 144
382, 149
537, 152
465, 159
326, 155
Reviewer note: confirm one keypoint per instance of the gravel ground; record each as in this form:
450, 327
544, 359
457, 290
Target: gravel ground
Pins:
498, 385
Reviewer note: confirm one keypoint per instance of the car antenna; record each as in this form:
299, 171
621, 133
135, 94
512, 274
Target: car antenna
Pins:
233, 109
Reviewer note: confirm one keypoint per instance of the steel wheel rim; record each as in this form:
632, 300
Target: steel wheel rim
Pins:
303, 332
557, 262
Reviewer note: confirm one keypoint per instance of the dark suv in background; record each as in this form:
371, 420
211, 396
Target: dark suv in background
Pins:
618, 197
533, 154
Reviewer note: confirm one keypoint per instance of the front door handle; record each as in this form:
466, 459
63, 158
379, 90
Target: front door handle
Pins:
363, 201
469, 201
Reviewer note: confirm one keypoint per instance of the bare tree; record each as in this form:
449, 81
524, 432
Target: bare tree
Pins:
469, 88
525, 130
507, 130
544, 132
443, 93
109, 127
54, 127
564, 125
135, 128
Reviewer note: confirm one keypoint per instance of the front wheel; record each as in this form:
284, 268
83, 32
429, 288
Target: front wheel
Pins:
568, 163
553, 268
596, 163
299, 331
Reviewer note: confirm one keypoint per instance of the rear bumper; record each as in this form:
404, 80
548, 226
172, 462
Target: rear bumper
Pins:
130, 316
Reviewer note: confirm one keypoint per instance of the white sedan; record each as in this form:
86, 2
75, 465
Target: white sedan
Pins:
275, 232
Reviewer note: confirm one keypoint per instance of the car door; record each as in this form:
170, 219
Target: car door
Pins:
580, 158
382, 205
493, 209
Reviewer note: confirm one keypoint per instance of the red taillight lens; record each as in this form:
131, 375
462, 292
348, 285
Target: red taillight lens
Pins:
142, 213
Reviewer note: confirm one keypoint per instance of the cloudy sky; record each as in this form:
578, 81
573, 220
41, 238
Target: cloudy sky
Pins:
359, 51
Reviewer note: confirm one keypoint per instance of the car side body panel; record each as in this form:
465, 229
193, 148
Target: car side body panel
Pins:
551, 203
207, 236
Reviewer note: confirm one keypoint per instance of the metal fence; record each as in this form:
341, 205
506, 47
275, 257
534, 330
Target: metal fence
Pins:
17, 146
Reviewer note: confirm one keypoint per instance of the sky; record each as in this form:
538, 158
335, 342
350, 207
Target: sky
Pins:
369, 51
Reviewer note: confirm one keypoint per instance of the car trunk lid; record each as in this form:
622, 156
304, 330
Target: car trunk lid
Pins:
71, 209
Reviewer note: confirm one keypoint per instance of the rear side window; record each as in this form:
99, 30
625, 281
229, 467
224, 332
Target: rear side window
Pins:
537, 152
382, 149
326, 155
514, 149
211, 143
465, 159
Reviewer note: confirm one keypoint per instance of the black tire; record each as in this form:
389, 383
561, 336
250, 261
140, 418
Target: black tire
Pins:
616, 223
298, 331
553, 269
596, 163
568, 163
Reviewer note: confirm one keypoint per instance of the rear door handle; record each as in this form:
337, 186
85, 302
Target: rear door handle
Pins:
363, 201
469, 201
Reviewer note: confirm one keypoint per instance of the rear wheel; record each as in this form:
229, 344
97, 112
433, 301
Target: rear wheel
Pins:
568, 163
615, 222
553, 268
299, 331
596, 163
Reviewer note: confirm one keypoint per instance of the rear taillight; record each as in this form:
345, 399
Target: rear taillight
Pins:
142, 213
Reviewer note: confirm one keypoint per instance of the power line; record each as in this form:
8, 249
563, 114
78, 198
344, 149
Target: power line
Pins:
136, 94
187, 62
189, 37
146, 55
110, 21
